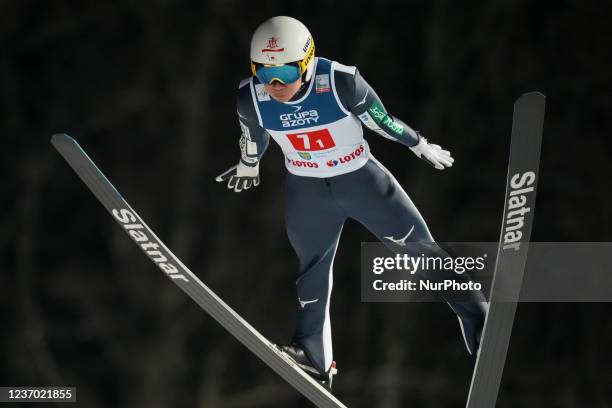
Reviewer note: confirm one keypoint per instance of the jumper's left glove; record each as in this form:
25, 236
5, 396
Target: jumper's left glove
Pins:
433, 154
240, 177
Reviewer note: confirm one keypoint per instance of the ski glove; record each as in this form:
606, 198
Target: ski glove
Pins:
240, 177
432, 154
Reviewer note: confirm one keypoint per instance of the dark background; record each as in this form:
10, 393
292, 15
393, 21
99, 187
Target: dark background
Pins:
148, 88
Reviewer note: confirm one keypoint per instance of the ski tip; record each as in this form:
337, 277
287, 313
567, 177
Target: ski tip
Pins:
60, 137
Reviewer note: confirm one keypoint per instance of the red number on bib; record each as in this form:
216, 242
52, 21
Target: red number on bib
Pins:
311, 141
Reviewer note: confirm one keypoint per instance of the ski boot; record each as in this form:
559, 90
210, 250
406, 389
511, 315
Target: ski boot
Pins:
471, 318
299, 357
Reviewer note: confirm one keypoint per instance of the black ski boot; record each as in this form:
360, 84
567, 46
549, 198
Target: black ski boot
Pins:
471, 320
299, 357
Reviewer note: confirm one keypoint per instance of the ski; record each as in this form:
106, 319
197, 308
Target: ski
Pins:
178, 273
523, 166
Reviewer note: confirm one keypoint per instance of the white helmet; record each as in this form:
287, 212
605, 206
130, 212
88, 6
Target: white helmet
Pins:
281, 40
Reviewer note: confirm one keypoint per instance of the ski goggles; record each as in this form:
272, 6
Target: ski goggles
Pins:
285, 73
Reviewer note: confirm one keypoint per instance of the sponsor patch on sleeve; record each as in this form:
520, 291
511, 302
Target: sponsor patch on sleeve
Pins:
368, 121
380, 116
371, 124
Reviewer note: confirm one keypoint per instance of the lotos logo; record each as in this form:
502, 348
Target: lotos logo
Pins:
300, 163
298, 118
349, 157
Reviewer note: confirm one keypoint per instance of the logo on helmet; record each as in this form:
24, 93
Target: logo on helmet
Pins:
273, 46
306, 45
309, 55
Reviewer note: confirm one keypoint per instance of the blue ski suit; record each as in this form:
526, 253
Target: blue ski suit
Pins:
333, 176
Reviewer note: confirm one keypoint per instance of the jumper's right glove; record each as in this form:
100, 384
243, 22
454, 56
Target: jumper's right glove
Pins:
240, 177
432, 154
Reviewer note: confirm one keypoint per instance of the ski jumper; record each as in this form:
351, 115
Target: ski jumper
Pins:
333, 176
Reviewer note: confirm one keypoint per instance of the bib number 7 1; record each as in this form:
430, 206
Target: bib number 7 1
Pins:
312, 141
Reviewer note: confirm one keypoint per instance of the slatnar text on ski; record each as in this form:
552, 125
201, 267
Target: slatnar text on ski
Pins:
515, 218
135, 229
